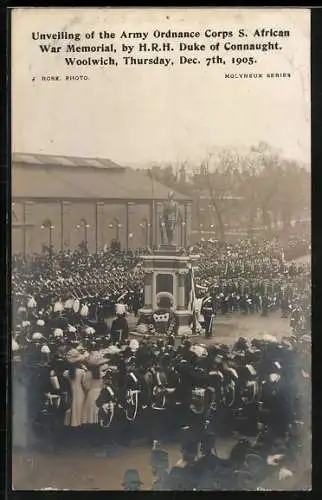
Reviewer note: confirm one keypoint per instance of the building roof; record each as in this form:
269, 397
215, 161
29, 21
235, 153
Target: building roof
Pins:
37, 176
68, 161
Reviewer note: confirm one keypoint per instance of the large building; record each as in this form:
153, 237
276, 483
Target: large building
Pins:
63, 201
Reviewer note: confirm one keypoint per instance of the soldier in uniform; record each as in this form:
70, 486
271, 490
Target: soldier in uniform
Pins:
207, 309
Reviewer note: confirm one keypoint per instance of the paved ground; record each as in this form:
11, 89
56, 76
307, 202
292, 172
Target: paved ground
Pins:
83, 469
303, 260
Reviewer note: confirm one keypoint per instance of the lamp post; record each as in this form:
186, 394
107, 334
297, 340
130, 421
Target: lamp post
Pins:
128, 206
148, 233
83, 223
200, 229
117, 225
162, 234
196, 194
117, 228
182, 224
182, 227
47, 224
145, 225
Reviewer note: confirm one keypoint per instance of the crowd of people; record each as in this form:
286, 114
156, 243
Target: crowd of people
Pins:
253, 276
80, 375
187, 392
94, 278
247, 276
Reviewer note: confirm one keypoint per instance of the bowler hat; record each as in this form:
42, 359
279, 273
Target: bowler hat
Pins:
131, 476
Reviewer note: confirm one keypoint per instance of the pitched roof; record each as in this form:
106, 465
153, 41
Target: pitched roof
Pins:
68, 161
55, 177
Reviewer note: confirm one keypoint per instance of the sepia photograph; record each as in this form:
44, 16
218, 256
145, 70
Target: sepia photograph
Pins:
161, 249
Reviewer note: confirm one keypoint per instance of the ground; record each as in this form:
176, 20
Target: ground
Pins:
87, 469
303, 260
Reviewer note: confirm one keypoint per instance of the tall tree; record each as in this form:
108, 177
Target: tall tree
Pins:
216, 179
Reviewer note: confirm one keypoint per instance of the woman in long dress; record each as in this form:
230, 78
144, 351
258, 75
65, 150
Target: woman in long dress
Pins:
76, 375
93, 384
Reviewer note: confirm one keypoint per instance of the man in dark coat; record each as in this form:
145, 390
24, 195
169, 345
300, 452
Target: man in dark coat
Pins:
208, 460
182, 476
120, 327
136, 301
284, 304
132, 480
264, 306
159, 466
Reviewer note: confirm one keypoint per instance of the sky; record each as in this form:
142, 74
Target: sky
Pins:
136, 115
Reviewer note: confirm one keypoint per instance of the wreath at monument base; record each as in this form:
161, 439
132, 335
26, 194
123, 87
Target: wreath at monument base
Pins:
163, 322
160, 322
165, 301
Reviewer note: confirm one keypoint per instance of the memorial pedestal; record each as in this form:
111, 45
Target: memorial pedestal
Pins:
165, 287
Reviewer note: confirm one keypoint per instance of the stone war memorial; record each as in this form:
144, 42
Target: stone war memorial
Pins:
168, 282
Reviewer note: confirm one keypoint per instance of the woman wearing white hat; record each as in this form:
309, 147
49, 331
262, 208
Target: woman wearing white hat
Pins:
93, 384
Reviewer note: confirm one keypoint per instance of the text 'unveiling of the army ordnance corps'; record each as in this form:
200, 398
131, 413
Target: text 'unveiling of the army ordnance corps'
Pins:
207, 48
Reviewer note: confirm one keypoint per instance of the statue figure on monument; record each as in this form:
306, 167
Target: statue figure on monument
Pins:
169, 219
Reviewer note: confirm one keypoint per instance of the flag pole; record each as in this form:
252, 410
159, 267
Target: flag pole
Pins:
153, 222
193, 302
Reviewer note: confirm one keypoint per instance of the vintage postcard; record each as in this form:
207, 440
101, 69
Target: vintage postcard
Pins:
161, 249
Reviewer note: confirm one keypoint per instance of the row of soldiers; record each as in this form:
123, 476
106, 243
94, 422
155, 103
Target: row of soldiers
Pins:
74, 343
244, 269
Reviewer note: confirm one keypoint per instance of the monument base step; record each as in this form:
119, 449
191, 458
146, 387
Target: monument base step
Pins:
168, 250
161, 335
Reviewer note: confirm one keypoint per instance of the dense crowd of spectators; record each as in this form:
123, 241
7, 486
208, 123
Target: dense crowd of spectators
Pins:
73, 374
117, 275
